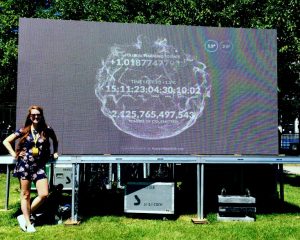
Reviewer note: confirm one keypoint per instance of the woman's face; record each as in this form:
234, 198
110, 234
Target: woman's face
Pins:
35, 116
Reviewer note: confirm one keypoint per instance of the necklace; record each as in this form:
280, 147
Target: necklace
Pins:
35, 135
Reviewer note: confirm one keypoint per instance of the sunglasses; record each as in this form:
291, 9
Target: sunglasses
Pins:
35, 115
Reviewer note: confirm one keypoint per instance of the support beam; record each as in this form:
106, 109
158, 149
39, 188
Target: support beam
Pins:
7, 186
200, 196
75, 189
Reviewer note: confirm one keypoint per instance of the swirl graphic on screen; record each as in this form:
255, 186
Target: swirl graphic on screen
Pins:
151, 90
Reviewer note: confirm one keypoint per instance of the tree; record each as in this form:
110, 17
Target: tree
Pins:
282, 15
10, 11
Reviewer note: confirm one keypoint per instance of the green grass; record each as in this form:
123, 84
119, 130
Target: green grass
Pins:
284, 225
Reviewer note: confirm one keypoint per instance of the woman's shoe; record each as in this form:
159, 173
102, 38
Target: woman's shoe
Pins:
22, 222
31, 229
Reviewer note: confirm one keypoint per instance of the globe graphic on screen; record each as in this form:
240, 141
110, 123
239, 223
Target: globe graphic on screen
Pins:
150, 89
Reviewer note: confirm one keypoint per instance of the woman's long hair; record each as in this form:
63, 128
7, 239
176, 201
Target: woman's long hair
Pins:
42, 127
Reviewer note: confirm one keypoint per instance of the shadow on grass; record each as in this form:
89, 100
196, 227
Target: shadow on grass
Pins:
291, 179
294, 181
276, 206
273, 204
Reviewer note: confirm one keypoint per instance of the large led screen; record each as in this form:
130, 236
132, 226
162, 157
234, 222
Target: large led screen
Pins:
118, 88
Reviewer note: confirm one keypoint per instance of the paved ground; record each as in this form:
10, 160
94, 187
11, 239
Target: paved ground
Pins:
293, 169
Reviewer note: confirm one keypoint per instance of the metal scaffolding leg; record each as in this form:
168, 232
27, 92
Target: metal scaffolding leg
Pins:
119, 185
7, 187
75, 190
200, 195
281, 184
146, 170
110, 176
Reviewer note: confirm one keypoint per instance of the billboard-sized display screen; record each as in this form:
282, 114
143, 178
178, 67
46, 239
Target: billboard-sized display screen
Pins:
119, 88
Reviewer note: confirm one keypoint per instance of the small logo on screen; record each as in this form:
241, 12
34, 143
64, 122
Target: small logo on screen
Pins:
211, 46
226, 46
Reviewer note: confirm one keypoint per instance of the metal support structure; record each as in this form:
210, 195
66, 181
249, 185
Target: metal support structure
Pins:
144, 170
281, 185
7, 187
200, 195
200, 160
119, 185
173, 171
51, 177
202, 192
110, 176
75, 190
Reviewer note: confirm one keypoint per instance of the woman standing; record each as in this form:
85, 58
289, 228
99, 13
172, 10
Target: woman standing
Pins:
32, 153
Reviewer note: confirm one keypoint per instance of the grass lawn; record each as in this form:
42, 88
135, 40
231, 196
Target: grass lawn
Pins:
285, 225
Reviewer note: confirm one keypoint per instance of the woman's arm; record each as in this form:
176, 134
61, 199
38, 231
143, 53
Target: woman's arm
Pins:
55, 144
8, 144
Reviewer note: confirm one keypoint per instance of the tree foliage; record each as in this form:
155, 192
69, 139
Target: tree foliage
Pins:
282, 15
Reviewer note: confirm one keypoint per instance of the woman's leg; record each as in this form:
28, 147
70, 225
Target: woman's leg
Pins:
43, 192
25, 199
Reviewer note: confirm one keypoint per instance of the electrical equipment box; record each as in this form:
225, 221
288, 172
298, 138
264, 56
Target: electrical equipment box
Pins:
149, 197
62, 174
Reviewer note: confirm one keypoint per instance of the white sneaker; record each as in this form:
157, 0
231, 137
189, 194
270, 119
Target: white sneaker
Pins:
31, 228
22, 222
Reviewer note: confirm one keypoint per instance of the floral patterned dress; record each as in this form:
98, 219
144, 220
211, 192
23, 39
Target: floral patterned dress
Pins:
28, 166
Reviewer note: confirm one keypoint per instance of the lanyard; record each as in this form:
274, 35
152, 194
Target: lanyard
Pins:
35, 135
